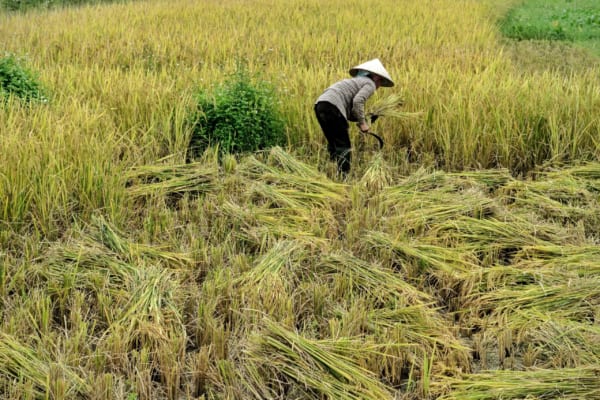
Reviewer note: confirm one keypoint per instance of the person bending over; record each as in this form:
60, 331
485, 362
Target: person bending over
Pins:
345, 101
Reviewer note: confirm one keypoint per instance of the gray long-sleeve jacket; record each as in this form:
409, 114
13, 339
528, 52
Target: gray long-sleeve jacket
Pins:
349, 96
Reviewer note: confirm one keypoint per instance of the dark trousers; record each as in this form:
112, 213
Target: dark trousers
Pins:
335, 127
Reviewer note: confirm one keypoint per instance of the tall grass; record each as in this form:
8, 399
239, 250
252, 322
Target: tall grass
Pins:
480, 110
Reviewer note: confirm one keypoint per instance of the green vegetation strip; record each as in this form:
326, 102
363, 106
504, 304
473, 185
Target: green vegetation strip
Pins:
577, 21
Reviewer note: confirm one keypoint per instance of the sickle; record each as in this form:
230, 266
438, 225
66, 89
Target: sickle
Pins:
376, 136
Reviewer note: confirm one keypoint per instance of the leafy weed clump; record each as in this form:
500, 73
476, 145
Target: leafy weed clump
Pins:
241, 115
18, 81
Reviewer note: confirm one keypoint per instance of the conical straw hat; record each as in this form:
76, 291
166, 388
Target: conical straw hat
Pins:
374, 66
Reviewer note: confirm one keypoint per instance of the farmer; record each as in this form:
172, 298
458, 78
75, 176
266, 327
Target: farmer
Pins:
345, 101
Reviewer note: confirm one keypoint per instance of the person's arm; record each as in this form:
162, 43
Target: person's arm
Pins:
358, 105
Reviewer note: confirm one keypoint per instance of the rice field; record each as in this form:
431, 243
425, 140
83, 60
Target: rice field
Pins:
460, 262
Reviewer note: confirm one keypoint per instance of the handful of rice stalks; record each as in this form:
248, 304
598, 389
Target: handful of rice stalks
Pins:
390, 107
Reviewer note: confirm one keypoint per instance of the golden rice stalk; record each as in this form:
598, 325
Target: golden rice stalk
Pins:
378, 174
293, 199
278, 162
424, 180
330, 368
590, 171
390, 107
418, 211
559, 198
477, 233
161, 180
568, 342
277, 261
452, 261
562, 341
566, 383
287, 163
491, 178
384, 285
24, 364
437, 187
295, 181
256, 165
420, 325
268, 285
307, 192
564, 189
497, 276
572, 299
259, 225
579, 261
115, 240
83, 263
148, 309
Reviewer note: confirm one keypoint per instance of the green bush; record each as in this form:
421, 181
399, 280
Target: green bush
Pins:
18, 81
241, 115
